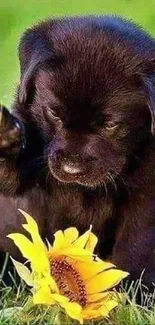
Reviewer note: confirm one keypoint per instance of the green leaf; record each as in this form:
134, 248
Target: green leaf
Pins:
23, 272
10, 312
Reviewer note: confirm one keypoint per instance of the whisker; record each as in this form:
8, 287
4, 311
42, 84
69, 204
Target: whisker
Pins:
47, 178
121, 178
106, 190
113, 182
137, 158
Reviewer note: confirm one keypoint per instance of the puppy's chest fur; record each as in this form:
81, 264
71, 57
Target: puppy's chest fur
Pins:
71, 206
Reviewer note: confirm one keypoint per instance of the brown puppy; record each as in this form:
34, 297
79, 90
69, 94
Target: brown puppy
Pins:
81, 149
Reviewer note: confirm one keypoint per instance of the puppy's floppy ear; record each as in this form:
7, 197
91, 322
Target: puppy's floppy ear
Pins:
146, 75
34, 50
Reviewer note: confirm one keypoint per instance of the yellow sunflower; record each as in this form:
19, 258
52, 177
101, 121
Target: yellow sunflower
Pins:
67, 273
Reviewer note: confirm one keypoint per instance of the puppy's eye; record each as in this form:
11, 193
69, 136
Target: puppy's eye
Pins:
52, 116
111, 125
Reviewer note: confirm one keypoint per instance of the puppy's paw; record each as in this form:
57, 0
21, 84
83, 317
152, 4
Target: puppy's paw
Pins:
11, 133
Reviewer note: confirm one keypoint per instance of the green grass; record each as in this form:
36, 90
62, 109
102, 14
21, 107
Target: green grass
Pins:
125, 314
16, 308
17, 15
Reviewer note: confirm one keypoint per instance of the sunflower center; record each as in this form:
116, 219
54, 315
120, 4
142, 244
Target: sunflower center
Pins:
69, 281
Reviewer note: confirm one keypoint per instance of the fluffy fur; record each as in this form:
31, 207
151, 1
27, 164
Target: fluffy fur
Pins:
86, 106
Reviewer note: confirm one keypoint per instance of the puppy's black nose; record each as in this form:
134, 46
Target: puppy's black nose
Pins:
71, 164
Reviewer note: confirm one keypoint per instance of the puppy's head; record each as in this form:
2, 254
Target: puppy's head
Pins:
91, 97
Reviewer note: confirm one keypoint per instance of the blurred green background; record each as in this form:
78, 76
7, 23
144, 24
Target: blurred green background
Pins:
17, 15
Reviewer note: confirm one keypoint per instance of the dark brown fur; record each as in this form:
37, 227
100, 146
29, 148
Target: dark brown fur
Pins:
86, 101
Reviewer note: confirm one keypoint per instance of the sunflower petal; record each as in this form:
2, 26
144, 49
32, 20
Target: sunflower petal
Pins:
92, 242
47, 281
92, 268
59, 240
60, 298
107, 307
33, 230
97, 311
105, 280
63, 241
82, 240
99, 297
43, 296
31, 225
24, 244
73, 310
92, 311
30, 251
71, 234
76, 253
90, 314
23, 272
